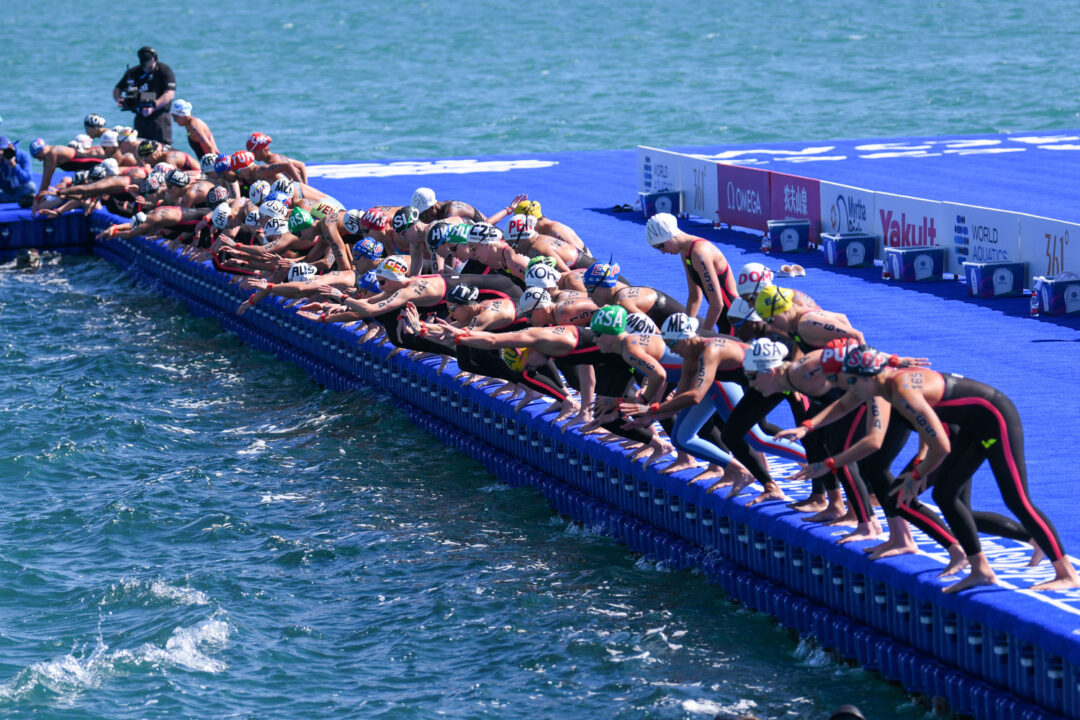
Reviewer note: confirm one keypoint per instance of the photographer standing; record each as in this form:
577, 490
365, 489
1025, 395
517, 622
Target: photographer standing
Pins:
15, 182
148, 90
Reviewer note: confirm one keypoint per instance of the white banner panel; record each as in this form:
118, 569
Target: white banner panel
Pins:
658, 169
980, 235
909, 222
846, 209
1046, 246
698, 185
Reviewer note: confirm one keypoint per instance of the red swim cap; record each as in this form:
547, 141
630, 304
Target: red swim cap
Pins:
376, 219
241, 160
834, 353
258, 140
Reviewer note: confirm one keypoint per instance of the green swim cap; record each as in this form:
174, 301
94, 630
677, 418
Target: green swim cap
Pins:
458, 234
541, 259
609, 320
300, 219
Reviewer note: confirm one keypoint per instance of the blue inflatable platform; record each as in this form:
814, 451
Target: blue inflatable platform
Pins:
997, 652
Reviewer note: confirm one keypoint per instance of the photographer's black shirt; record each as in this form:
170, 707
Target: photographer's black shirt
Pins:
143, 89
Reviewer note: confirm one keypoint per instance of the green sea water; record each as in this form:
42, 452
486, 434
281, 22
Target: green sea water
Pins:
194, 529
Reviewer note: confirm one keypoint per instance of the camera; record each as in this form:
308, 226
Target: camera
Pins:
9, 152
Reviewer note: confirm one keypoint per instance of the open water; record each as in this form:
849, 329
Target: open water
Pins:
190, 528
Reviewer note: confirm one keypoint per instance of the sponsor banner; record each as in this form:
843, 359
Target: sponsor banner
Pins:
846, 209
795, 197
658, 169
743, 196
980, 235
698, 184
1046, 246
910, 222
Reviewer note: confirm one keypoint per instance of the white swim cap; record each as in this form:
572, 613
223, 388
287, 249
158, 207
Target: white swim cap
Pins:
252, 218
542, 275
282, 184
273, 209
275, 227
521, 227
392, 269
751, 278
302, 272
742, 310
532, 299
678, 326
423, 198
84, 141
110, 166
258, 191
206, 163
220, 216
660, 228
109, 138
763, 355
182, 108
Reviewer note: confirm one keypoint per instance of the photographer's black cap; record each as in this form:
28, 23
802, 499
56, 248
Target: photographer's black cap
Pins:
146, 52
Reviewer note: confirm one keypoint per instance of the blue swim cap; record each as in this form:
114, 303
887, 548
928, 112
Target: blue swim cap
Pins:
368, 248
37, 146
601, 275
222, 163
279, 196
368, 281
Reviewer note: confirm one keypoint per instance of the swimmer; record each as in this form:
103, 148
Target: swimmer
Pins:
199, 136
259, 144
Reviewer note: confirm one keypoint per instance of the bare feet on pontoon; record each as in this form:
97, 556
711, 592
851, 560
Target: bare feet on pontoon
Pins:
713, 471
682, 462
814, 504
772, 492
1064, 578
863, 531
974, 579
957, 561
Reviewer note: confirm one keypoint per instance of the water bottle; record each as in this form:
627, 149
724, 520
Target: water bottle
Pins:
885, 274
766, 243
1036, 306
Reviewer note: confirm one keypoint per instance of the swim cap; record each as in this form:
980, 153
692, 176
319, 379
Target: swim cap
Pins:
660, 228
111, 166
222, 163
374, 219
516, 358
834, 353
241, 160
258, 191
369, 281
351, 221
148, 147
541, 275
138, 219
220, 216
129, 135
302, 272
97, 173
74, 145
159, 176
37, 146
93, 120
405, 218
252, 218
436, 235
464, 294
763, 355
258, 140
216, 196
540, 260
81, 177
368, 248
392, 269
520, 227
678, 326
601, 275
422, 199
283, 185
752, 277
638, 323
532, 299
278, 196
530, 208
741, 310
163, 167
326, 207
865, 361
609, 320
148, 186
483, 233
273, 209
275, 227
206, 163
109, 138
181, 108
772, 301
300, 219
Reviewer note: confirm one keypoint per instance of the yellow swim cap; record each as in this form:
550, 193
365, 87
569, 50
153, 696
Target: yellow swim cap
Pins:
773, 300
528, 207
515, 358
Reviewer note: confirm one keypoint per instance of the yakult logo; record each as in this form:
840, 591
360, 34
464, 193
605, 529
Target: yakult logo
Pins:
898, 232
743, 199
